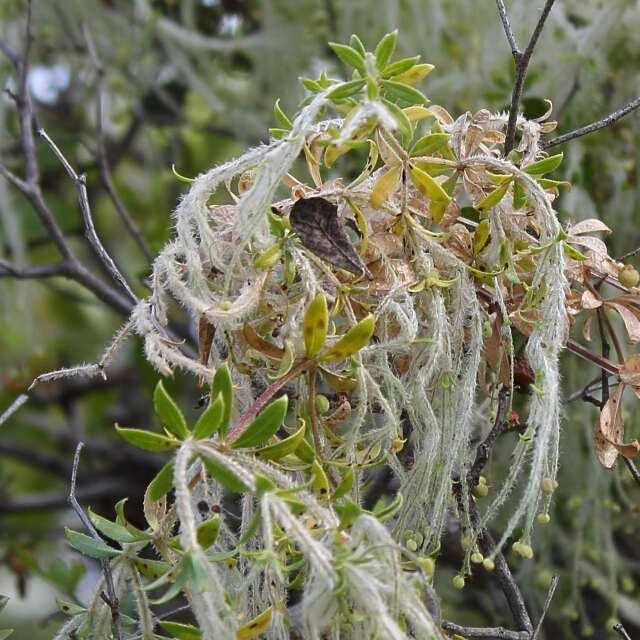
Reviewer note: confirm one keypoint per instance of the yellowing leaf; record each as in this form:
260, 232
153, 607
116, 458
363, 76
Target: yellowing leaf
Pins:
416, 113
494, 197
415, 74
338, 382
481, 235
428, 186
356, 338
255, 627
316, 321
320, 482
384, 186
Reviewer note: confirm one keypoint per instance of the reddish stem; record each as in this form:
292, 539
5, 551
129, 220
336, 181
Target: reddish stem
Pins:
261, 401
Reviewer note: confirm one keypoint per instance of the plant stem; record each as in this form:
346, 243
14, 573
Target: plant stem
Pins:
261, 401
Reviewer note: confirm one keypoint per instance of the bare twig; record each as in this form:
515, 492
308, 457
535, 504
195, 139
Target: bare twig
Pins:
102, 154
85, 209
70, 266
111, 597
635, 472
547, 604
489, 633
484, 449
521, 59
594, 126
621, 631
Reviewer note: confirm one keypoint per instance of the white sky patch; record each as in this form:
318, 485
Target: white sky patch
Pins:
46, 83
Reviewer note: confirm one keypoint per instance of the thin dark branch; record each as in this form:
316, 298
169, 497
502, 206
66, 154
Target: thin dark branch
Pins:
515, 52
635, 472
85, 209
101, 151
488, 633
547, 604
521, 59
505, 578
483, 451
26, 272
111, 595
594, 126
621, 631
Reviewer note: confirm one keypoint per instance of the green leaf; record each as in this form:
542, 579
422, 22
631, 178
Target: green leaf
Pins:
281, 117
493, 198
352, 341
346, 90
519, 195
345, 484
405, 92
400, 66
545, 165
211, 420
207, 532
320, 482
147, 440
283, 447
153, 569
385, 49
311, 85
88, 546
223, 475
316, 322
357, 44
181, 631
349, 56
223, 385
162, 483
69, 608
386, 512
404, 124
338, 382
266, 423
429, 144
169, 412
573, 253
116, 531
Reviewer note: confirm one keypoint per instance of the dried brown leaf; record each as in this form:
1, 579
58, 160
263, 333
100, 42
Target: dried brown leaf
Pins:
631, 322
316, 222
610, 429
588, 226
590, 300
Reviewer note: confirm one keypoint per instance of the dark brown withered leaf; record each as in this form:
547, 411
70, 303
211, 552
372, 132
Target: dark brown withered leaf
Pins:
316, 222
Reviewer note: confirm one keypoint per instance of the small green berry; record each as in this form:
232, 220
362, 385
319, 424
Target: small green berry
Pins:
477, 558
322, 404
544, 518
480, 490
548, 486
488, 564
523, 550
427, 565
412, 545
458, 582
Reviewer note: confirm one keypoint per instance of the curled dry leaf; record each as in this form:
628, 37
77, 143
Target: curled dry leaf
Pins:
316, 222
588, 226
610, 429
630, 373
590, 300
631, 322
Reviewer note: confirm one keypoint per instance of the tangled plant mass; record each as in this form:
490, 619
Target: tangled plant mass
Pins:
347, 326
